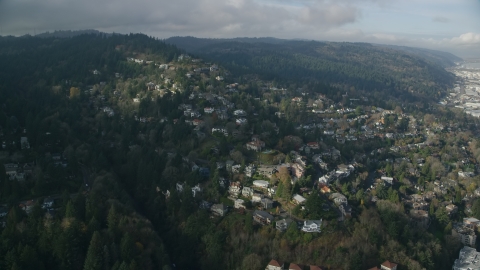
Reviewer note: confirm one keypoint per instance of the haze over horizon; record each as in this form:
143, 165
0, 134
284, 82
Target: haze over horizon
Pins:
447, 25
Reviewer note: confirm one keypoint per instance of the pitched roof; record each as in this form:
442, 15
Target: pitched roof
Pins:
389, 264
294, 266
274, 263
314, 267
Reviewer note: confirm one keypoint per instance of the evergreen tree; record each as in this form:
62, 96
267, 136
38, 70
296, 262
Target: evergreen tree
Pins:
94, 259
127, 248
113, 219
70, 210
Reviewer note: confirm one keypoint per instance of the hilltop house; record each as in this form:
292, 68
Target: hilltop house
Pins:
238, 203
282, 225
262, 217
312, 225
274, 265
298, 199
219, 209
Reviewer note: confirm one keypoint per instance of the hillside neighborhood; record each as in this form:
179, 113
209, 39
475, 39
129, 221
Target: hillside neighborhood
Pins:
288, 157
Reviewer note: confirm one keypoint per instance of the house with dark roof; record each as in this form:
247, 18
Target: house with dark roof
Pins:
262, 217
282, 225
219, 209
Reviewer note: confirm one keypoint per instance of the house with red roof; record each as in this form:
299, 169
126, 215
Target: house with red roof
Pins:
294, 266
274, 265
387, 265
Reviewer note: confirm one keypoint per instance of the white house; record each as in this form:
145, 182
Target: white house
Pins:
261, 183
241, 121
312, 226
257, 197
195, 190
239, 113
238, 203
338, 198
208, 110
179, 187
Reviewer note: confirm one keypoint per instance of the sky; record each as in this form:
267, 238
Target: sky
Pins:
447, 25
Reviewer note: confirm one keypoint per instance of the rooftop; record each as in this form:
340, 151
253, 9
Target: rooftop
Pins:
469, 259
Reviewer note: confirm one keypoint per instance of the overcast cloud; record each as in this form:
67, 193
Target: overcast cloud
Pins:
450, 25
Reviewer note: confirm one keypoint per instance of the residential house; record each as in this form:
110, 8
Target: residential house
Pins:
338, 198
255, 145
239, 203
179, 187
282, 225
221, 130
345, 209
24, 143
272, 191
312, 226
387, 180
47, 203
247, 192
235, 188
196, 190
297, 170
3, 212
298, 199
313, 145
239, 113
266, 203
28, 206
387, 265
11, 170
471, 222
257, 197
294, 266
250, 170
325, 180
219, 209
466, 235
451, 209
466, 174
420, 218
262, 217
241, 121
204, 172
274, 265
468, 259
325, 190
261, 184
266, 170
208, 110
197, 122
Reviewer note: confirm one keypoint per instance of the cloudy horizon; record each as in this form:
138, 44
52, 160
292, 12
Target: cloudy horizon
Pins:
447, 25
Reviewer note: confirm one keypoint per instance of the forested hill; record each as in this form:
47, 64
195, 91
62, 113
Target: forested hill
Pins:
50, 94
364, 66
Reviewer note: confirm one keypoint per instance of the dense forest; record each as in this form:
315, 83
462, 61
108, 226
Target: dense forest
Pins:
117, 204
369, 68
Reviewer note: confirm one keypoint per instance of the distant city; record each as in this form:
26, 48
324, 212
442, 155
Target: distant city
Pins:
466, 92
